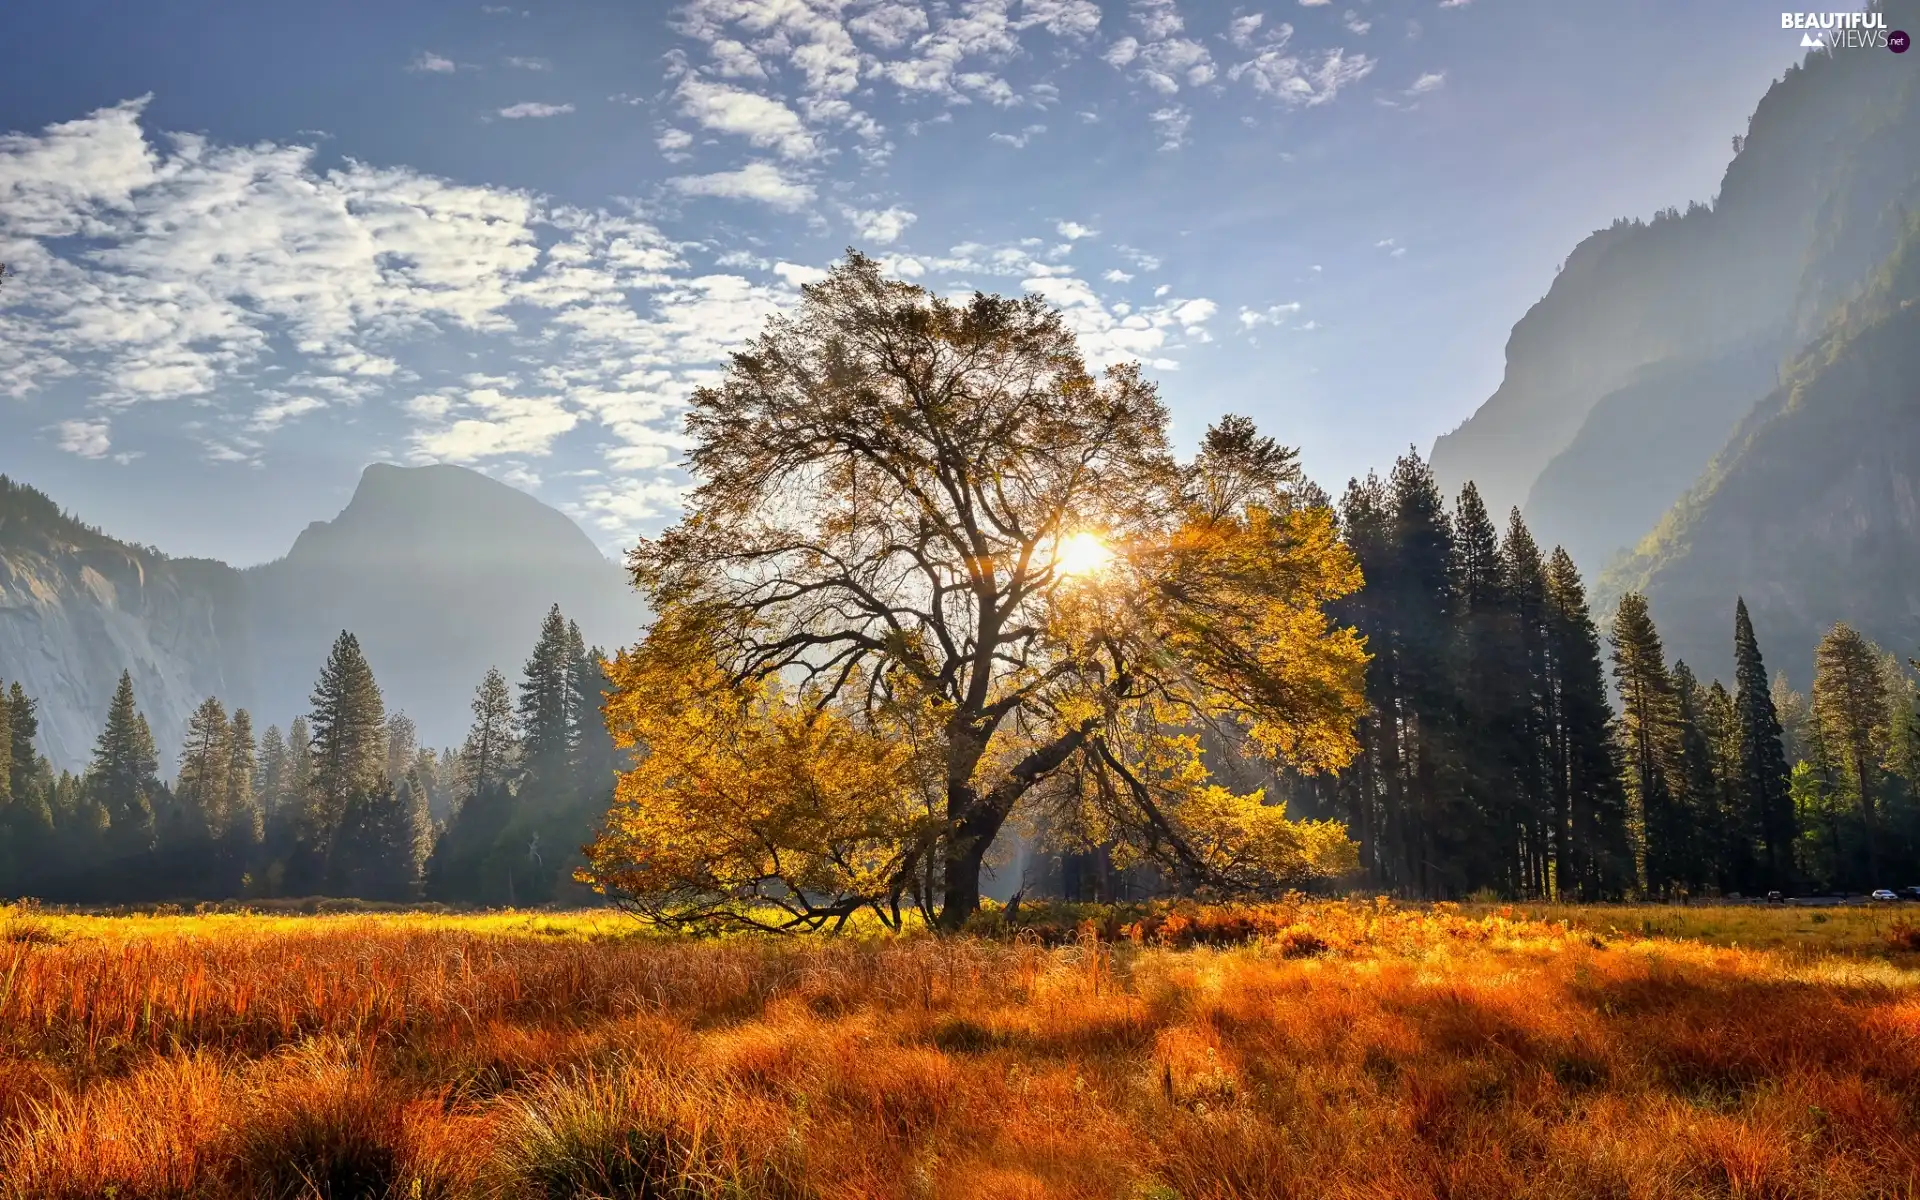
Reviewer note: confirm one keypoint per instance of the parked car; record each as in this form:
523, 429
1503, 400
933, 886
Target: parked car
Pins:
1884, 894
1912, 893
1775, 898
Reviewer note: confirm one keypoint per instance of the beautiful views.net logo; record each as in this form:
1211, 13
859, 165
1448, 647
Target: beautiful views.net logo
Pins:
1846, 31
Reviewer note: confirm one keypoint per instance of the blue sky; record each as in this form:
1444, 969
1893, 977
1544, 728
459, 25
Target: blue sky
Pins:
260, 245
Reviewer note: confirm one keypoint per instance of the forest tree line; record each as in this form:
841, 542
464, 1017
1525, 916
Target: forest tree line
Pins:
344, 802
1517, 744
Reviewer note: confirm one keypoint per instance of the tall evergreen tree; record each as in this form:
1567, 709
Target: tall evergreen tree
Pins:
1530, 732
403, 743
1693, 840
545, 725
1850, 708
349, 751
6, 749
1649, 733
488, 758
1765, 777
191, 825
245, 826
273, 771
200, 796
1372, 786
124, 781
1490, 699
1425, 828
25, 726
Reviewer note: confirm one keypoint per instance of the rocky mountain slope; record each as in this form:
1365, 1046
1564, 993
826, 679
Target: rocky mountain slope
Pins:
1656, 338
1812, 511
440, 571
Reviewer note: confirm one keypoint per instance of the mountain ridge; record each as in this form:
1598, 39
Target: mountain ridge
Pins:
439, 570
1810, 203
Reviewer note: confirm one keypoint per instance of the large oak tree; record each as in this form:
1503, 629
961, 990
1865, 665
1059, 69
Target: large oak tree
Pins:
983, 571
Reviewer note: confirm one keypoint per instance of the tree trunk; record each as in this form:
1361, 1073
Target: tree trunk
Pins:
961, 884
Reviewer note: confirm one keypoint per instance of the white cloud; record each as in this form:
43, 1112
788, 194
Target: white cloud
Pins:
1123, 51
1355, 23
1315, 3
1296, 82
431, 63
1253, 318
882, 227
88, 439
1061, 18
488, 423
673, 144
524, 63
1073, 231
1157, 18
1432, 81
762, 182
1455, 3
620, 505
1017, 140
794, 274
1172, 124
1240, 30
764, 122
534, 110
890, 25
1117, 276
275, 413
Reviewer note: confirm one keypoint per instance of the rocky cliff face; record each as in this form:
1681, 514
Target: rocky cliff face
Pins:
77, 608
1657, 337
1812, 511
441, 573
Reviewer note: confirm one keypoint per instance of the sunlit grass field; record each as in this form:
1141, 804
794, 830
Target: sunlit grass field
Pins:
1342, 1049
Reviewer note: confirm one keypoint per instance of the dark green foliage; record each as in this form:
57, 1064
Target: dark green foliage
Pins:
349, 758
1763, 788
1594, 860
124, 779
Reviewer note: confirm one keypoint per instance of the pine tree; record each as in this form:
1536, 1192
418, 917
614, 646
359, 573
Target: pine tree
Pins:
240, 840
300, 765
488, 758
1529, 735
123, 781
22, 756
1425, 828
545, 726
1490, 703
193, 823
1735, 867
6, 757
273, 771
349, 754
1850, 708
1765, 778
403, 742
1694, 840
1649, 733
595, 760
200, 796
1372, 787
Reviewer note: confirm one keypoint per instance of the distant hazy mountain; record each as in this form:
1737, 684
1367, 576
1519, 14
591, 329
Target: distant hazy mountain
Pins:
440, 571
1657, 338
1812, 511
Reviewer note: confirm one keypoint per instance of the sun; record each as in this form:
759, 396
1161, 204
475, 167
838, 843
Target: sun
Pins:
1081, 554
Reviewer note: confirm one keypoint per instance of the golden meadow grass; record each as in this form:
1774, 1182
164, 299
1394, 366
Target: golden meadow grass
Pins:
1349, 1050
